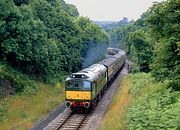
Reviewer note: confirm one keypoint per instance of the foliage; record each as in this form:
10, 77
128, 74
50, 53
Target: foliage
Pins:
154, 106
22, 112
14, 81
115, 117
20, 2
141, 50
2, 113
142, 103
91, 34
132, 37
165, 27
152, 41
42, 38
60, 27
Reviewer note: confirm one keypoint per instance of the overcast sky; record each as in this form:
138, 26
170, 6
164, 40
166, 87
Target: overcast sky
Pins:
111, 10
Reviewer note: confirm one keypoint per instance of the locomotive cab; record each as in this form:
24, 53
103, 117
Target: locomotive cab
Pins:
78, 89
78, 92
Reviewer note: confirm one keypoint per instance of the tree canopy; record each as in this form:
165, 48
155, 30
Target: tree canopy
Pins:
45, 37
153, 41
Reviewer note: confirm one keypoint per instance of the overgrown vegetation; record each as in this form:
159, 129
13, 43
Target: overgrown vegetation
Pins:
154, 105
147, 105
115, 117
21, 111
152, 41
44, 38
41, 41
11, 82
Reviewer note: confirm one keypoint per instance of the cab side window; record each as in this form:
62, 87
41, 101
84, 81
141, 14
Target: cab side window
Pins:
69, 84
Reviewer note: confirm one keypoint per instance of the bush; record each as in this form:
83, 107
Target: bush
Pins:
52, 80
140, 80
12, 81
155, 106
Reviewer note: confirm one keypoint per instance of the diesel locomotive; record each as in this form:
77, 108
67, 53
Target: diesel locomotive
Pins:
84, 88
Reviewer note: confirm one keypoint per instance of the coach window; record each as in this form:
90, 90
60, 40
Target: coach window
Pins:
87, 85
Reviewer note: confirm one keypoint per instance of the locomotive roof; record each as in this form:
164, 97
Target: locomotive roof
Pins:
119, 54
108, 62
91, 73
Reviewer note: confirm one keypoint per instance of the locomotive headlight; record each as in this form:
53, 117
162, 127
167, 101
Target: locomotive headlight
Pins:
86, 104
67, 103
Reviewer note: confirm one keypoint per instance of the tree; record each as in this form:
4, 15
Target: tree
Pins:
141, 50
20, 2
91, 34
165, 27
42, 38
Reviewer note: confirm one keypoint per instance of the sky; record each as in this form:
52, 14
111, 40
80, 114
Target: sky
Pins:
112, 10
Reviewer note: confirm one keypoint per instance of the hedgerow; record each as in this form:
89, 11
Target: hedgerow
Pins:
155, 106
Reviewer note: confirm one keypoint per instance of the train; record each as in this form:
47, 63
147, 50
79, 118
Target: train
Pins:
84, 88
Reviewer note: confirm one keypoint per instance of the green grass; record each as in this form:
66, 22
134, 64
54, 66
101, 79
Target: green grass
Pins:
28, 101
149, 105
114, 118
22, 111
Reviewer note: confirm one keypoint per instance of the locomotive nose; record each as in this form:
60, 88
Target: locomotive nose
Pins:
67, 103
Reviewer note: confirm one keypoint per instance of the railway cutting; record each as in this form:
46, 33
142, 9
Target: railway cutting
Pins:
68, 120
89, 92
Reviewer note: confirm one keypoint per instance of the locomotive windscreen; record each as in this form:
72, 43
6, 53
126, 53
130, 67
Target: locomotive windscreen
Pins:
78, 84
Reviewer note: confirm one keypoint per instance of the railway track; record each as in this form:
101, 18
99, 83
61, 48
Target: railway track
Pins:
69, 121
73, 123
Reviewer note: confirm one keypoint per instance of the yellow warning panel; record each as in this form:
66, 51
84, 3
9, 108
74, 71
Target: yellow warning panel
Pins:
81, 95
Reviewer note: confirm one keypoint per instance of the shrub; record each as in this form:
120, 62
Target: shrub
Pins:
155, 106
12, 81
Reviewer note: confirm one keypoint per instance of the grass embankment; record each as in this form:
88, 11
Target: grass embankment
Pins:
25, 100
114, 118
21, 111
142, 103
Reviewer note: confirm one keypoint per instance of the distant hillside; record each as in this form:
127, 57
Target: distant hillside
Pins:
112, 24
104, 23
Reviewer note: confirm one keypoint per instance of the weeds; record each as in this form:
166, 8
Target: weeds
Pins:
150, 105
